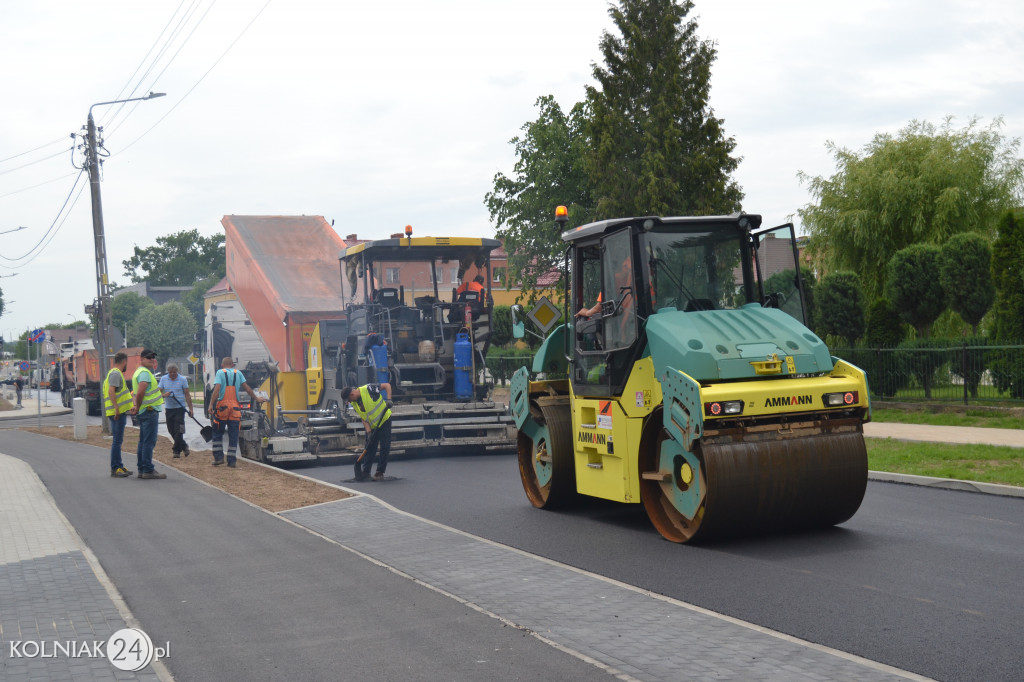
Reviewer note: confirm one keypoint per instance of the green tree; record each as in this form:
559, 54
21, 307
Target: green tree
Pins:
921, 185
124, 308
884, 328
167, 329
914, 289
966, 276
549, 172
2, 303
195, 302
656, 146
839, 306
1008, 317
179, 259
921, 357
501, 330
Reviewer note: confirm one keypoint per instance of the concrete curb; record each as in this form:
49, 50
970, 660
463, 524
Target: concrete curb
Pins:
948, 483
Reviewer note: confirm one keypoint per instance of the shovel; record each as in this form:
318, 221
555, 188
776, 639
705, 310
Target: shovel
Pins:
205, 431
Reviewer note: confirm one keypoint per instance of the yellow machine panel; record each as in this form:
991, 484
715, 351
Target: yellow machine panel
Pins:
314, 369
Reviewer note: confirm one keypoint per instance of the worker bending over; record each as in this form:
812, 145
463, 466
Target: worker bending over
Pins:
371, 403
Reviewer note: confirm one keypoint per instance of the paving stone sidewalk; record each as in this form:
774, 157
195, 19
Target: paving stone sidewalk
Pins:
50, 595
632, 633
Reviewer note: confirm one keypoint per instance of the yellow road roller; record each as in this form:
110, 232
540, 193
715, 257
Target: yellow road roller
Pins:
684, 378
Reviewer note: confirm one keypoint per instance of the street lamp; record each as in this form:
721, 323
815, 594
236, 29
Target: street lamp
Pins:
102, 280
14, 230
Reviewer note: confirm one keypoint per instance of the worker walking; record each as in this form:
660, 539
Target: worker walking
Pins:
174, 387
147, 405
117, 402
225, 412
370, 402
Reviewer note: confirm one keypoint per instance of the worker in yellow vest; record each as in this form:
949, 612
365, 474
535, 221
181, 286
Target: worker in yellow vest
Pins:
148, 405
370, 402
117, 401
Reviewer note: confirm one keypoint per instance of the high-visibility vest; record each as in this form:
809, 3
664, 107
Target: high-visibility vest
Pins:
373, 412
152, 399
122, 397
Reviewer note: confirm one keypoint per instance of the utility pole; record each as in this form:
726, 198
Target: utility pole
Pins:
102, 280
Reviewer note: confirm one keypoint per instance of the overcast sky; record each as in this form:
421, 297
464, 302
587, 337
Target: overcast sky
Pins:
378, 114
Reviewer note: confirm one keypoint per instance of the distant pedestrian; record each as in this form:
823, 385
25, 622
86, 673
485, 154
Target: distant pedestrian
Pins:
19, 384
371, 403
174, 388
225, 411
148, 405
117, 401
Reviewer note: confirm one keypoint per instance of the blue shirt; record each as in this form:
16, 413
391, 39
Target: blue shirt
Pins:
177, 387
236, 380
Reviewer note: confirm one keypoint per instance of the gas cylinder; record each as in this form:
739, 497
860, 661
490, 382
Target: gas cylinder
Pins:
379, 358
463, 366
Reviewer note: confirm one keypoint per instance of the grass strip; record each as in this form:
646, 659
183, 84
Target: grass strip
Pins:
981, 419
985, 463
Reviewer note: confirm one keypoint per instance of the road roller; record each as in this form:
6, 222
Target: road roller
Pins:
683, 376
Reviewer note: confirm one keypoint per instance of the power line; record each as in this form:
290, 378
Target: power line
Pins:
49, 230
25, 189
32, 163
203, 77
44, 146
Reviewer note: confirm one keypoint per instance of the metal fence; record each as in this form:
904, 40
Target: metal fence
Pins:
941, 372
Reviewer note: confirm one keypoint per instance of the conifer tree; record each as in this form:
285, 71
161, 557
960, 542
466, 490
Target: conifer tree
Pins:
657, 148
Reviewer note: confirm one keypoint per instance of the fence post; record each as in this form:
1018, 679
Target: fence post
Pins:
967, 370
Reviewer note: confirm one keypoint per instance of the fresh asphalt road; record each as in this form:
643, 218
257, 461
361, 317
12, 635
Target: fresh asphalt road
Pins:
243, 595
922, 579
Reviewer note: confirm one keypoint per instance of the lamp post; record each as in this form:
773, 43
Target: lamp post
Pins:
102, 281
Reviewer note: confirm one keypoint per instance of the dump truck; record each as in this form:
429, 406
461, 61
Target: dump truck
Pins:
315, 336
691, 390
83, 378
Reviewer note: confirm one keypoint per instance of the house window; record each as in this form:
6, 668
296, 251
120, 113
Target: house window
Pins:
391, 275
499, 275
455, 275
440, 274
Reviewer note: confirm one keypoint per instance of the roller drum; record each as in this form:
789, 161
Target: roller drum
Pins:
784, 484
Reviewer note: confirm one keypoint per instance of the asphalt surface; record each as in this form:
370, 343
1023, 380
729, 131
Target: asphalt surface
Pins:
921, 579
243, 595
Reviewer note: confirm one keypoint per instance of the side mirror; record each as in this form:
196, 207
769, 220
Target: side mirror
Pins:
518, 326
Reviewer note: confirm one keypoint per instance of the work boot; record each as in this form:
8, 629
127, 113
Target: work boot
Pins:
379, 476
177, 455
218, 462
187, 452
152, 475
231, 464
120, 472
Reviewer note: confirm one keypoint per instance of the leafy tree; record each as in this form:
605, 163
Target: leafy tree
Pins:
921, 185
501, 330
179, 259
966, 276
1008, 318
549, 173
914, 289
884, 327
167, 329
124, 308
656, 146
840, 307
194, 301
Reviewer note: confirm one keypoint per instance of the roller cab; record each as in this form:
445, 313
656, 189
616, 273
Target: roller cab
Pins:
695, 387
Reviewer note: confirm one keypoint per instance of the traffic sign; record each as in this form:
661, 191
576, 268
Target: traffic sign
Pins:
193, 359
544, 314
37, 336
23, 366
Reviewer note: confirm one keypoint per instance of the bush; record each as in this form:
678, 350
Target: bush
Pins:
921, 358
502, 363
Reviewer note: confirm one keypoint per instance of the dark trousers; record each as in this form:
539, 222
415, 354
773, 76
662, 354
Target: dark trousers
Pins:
219, 427
117, 438
380, 436
176, 427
